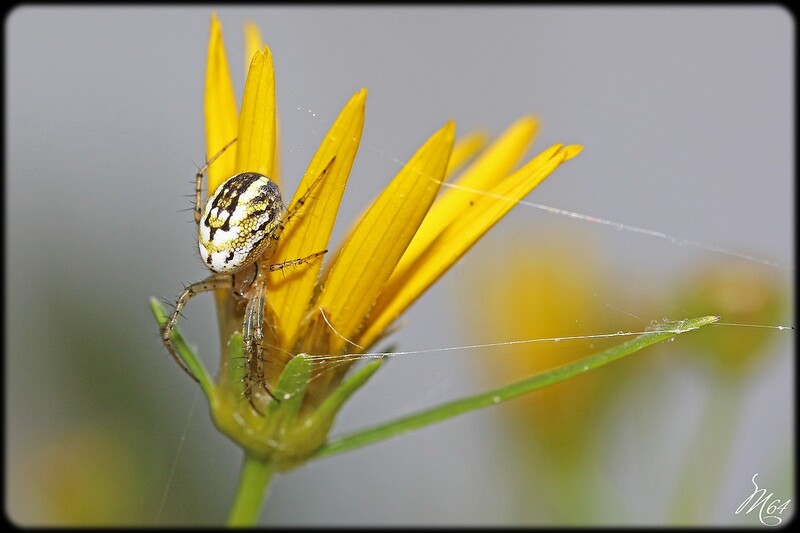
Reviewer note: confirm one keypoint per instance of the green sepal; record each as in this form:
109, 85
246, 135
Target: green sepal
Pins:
235, 367
331, 405
290, 390
305, 438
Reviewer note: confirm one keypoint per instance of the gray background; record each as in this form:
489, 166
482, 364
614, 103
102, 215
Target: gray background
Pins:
686, 115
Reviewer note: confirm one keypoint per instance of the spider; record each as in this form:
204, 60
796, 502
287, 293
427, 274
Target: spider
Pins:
238, 232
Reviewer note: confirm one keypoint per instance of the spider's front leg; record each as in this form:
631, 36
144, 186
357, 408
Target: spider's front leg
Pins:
298, 204
198, 183
214, 282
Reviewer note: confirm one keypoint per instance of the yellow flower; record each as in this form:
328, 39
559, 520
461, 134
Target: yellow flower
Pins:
74, 479
407, 238
544, 294
742, 293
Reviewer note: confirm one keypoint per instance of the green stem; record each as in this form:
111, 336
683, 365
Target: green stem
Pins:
706, 461
479, 401
253, 484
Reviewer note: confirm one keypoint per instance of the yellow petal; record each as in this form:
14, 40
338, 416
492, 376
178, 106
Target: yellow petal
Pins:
370, 254
465, 148
222, 117
256, 145
407, 284
494, 164
308, 232
503, 155
252, 43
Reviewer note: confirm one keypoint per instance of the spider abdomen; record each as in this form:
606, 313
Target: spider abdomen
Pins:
238, 221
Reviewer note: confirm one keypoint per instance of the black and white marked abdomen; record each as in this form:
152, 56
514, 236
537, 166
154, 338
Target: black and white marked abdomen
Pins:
238, 221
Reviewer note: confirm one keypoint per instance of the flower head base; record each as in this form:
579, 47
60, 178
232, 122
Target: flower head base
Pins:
316, 321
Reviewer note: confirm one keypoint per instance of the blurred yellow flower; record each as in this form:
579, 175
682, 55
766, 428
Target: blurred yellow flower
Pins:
741, 292
91, 476
558, 286
547, 292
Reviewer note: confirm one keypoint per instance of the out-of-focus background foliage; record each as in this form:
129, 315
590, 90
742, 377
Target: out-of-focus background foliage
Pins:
687, 116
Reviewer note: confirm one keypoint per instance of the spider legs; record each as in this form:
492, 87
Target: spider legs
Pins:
198, 183
252, 327
299, 261
300, 202
252, 339
217, 281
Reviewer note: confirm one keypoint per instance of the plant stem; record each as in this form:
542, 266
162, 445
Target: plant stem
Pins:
479, 401
253, 484
705, 464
